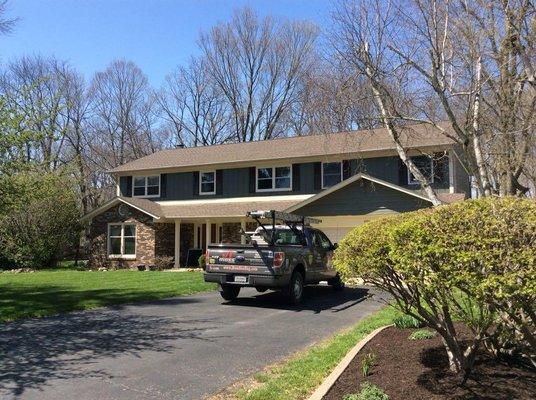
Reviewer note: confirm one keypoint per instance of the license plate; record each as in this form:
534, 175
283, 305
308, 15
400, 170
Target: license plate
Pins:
241, 279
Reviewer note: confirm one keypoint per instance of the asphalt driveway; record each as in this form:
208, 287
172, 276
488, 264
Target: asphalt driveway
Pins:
180, 348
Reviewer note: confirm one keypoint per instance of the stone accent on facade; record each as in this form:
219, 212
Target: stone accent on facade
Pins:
164, 239
98, 236
251, 226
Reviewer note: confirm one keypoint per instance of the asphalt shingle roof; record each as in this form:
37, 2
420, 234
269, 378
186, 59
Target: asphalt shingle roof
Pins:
364, 141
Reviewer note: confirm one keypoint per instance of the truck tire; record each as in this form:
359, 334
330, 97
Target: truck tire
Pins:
336, 283
294, 290
229, 292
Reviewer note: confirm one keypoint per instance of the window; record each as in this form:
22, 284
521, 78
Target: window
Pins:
274, 178
321, 240
146, 186
122, 240
425, 164
331, 174
207, 182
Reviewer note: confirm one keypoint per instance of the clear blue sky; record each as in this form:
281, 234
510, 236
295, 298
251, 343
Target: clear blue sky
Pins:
157, 35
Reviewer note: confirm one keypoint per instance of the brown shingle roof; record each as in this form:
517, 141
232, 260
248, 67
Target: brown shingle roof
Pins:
415, 136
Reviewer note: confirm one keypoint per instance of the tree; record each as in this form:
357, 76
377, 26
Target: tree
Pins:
122, 118
468, 63
194, 107
257, 64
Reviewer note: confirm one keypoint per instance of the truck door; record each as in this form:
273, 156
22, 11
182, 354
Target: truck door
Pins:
323, 255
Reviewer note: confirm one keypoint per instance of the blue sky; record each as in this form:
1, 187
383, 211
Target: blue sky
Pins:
157, 35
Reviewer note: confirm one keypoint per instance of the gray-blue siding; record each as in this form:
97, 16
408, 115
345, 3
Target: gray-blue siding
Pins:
236, 181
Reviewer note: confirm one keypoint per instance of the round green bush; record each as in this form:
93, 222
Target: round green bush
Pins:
473, 261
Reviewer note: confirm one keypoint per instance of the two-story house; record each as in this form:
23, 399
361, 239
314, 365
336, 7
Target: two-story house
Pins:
177, 200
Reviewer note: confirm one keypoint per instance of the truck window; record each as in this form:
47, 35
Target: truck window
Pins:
287, 237
321, 240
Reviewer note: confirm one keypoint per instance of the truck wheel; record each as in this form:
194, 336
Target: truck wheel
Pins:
229, 292
294, 290
336, 283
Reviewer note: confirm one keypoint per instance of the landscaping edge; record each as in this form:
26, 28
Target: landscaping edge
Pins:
323, 389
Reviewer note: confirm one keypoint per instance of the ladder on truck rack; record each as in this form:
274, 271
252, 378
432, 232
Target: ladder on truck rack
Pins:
282, 216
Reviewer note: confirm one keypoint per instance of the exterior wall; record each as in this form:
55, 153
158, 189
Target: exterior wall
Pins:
231, 232
187, 241
236, 181
98, 236
164, 240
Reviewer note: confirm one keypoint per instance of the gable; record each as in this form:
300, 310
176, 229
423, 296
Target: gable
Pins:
361, 197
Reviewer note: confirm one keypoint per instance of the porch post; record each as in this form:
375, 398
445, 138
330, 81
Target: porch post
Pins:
243, 226
177, 242
207, 233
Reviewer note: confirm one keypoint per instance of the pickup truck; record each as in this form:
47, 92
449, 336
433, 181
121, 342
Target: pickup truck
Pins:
279, 256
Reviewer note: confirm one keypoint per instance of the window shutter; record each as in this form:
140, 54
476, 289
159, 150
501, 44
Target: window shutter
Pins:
296, 177
252, 179
219, 181
318, 175
128, 192
402, 173
163, 186
346, 169
195, 178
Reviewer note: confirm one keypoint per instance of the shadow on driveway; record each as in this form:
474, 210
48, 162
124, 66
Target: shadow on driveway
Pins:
34, 351
316, 298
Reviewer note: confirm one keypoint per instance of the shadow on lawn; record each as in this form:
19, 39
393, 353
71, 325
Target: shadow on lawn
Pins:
34, 351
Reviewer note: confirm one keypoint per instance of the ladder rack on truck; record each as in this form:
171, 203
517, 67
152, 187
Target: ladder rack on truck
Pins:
291, 220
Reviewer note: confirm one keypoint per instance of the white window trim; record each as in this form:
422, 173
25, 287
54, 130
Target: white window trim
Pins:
200, 186
322, 172
145, 195
122, 256
416, 182
273, 189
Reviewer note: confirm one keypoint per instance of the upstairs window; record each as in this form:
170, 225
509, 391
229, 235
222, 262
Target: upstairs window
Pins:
146, 186
207, 182
425, 164
331, 174
122, 240
274, 179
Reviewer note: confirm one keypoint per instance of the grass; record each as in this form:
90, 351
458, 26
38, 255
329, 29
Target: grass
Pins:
299, 376
57, 291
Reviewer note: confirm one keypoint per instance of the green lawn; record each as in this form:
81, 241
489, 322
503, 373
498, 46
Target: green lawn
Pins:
298, 377
56, 291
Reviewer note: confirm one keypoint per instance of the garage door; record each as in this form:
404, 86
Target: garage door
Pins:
335, 234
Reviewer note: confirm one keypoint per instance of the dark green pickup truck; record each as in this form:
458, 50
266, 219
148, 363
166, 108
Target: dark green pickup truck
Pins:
279, 256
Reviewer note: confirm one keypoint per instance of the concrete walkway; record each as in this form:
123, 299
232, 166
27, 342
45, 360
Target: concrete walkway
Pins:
181, 348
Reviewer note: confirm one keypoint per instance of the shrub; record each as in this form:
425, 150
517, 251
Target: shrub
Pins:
407, 321
368, 391
422, 334
367, 363
201, 261
467, 261
39, 219
163, 262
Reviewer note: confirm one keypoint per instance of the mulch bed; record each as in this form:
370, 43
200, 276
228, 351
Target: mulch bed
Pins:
418, 369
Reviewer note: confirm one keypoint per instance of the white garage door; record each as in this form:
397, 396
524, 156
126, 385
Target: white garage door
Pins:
335, 234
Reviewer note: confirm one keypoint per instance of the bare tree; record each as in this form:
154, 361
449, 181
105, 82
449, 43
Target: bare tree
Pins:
470, 63
257, 64
122, 119
194, 107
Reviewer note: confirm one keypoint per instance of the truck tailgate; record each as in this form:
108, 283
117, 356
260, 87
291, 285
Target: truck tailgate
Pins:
240, 259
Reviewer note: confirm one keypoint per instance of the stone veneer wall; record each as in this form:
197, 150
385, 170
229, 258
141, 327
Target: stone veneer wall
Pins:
230, 232
98, 236
187, 241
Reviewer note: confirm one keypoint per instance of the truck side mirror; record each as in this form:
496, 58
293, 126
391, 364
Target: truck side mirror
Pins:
335, 246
